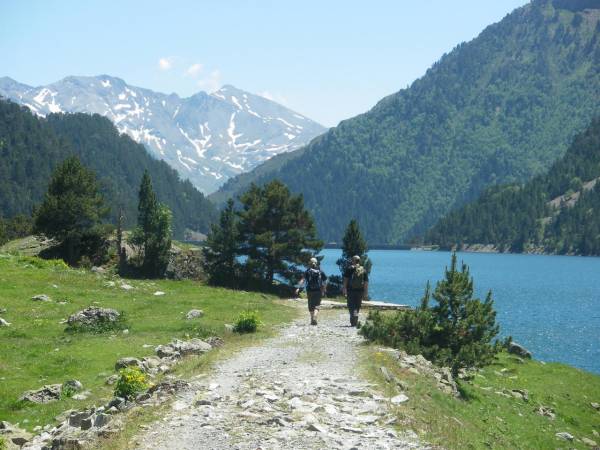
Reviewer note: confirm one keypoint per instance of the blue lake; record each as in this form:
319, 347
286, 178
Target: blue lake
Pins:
550, 304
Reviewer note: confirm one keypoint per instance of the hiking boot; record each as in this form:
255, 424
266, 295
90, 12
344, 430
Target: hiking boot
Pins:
353, 320
358, 324
313, 322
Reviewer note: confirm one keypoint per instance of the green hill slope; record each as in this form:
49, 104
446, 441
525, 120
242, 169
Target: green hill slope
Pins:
498, 109
31, 147
557, 212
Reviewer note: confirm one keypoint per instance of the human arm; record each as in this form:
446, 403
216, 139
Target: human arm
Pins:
345, 286
324, 283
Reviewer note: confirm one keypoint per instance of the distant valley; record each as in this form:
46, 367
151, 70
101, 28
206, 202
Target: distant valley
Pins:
207, 138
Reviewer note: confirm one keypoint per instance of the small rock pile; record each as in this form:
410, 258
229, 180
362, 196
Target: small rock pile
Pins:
93, 316
417, 364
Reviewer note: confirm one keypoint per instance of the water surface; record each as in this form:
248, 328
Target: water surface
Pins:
550, 304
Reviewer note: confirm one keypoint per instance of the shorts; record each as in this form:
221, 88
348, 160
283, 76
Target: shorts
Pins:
314, 300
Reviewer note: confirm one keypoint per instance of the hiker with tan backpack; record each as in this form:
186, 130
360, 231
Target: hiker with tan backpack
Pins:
355, 288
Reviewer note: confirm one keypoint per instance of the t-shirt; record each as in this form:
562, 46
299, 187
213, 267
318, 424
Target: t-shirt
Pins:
306, 278
348, 274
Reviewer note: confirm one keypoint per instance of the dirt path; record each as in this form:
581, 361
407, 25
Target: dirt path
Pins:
299, 390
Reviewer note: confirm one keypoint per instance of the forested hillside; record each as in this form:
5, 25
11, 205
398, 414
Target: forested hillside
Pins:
498, 109
557, 212
30, 147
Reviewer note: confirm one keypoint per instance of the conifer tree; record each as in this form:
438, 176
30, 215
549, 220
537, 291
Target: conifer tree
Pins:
276, 232
72, 210
353, 243
465, 326
152, 236
222, 246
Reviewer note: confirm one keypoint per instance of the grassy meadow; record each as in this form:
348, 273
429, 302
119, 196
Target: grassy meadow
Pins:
485, 418
36, 350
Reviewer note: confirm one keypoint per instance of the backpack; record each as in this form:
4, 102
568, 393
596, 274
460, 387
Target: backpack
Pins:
357, 280
313, 280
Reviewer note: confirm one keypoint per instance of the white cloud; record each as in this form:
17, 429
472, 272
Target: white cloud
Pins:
165, 63
212, 82
194, 70
274, 97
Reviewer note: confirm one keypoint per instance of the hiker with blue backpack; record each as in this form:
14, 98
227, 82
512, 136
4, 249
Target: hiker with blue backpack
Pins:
314, 280
355, 288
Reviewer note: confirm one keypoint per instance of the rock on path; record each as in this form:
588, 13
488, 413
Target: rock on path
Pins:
298, 390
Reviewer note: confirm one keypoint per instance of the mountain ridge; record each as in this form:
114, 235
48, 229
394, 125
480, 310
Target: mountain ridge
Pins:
207, 138
500, 108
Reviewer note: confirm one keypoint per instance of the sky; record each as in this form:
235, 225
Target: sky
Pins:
328, 59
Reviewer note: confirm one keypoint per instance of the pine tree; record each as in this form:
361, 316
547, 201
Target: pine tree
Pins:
276, 232
353, 243
222, 246
72, 210
465, 326
152, 236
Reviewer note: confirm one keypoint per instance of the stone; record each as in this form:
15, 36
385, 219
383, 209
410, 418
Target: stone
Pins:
4, 323
102, 420
316, 427
41, 298
126, 286
386, 374
97, 269
595, 405
519, 350
589, 442
116, 402
20, 437
215, 341
76, 418
73, 385
398, 399
82, 395
179, 348
128, 361
194, 314
158, 293
546, 411
229, 327
88, 422
46, 394
112, 379
94, 316
564, 436
3, 310
521, 394
110, 284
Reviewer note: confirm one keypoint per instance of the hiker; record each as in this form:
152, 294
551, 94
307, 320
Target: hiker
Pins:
355, 288
315, 280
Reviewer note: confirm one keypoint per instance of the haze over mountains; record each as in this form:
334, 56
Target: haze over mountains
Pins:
207, 138
498, 109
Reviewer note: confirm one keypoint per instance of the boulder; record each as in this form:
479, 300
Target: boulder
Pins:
194, 314
177, 348
46, 394
4, 323
215, 341
128, 361
589, 442
92, 316
72, 385
519, 350
159, 293
564, 436
398, 399
41, 298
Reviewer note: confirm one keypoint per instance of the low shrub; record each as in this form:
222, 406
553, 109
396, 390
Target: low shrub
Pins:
456, 332
3, 445
132, 381
247, 322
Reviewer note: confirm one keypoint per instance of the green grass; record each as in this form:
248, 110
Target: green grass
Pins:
485, 419
35, 350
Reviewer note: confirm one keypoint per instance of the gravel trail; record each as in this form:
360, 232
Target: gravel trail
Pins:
298, 390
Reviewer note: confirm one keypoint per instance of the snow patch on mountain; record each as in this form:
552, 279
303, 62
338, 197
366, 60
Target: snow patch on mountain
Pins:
207, 138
